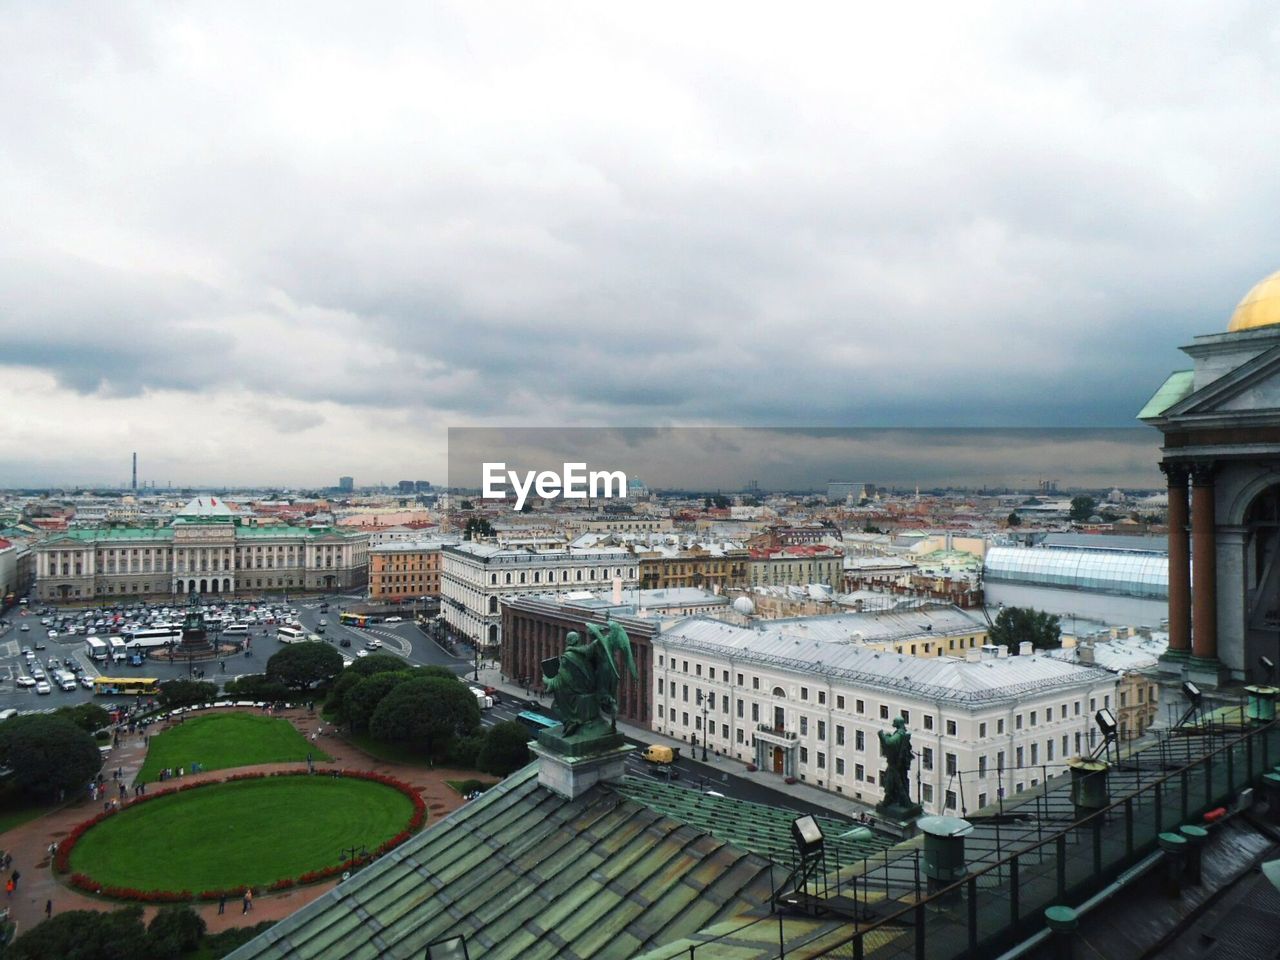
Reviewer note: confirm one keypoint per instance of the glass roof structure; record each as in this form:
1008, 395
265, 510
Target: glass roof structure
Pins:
1130, 573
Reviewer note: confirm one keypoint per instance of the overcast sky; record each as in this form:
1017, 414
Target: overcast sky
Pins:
276, 243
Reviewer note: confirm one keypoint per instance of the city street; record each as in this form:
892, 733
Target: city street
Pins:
402, 639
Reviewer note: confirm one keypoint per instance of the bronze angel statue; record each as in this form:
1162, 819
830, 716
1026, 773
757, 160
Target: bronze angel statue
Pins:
583, 681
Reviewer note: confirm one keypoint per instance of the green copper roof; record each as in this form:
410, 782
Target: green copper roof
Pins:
756, 827
524, 873
1175, 389
101, 534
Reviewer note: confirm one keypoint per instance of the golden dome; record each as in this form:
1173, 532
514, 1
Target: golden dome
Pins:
1260, 306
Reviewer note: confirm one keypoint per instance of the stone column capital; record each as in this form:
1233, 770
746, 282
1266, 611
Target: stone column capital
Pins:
1176, 472
1202, 474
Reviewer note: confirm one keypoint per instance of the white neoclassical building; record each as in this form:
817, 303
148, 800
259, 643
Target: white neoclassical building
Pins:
208, 549
811, 708
475, 577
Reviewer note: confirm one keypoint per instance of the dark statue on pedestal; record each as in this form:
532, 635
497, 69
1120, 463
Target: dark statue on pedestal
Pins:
896, 749
583, 683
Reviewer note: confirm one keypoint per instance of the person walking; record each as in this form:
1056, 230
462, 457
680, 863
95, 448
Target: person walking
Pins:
48, 909
248, 900
222, 904
14, 878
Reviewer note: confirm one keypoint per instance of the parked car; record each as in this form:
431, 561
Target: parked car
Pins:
394, 620
24, 629
25, 681
86, 681
43, 687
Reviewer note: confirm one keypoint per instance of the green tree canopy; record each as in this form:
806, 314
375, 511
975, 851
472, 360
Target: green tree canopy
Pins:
301, 666
427, 712
87, 716
477, 527
362, 700
1013, 519
85, 935
1082, 508
1016, 624
505, 749
256, 686
48, 753
175, 930
185, 693
376, 663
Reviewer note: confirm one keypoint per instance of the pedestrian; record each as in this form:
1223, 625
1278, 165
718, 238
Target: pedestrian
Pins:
9, 887
248, 900
48, 909
14, 878
222, 904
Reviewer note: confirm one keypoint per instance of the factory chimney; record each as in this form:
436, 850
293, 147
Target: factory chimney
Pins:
135, 471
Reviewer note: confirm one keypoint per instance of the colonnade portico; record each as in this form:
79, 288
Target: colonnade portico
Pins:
1220, 427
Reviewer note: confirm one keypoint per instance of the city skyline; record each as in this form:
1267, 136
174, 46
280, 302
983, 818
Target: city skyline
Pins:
370, 231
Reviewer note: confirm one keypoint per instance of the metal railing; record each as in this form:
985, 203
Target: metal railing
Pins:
1002, 903
1036, 854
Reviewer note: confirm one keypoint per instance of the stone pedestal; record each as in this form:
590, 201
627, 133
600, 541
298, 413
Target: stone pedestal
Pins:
1206, 672
577, 768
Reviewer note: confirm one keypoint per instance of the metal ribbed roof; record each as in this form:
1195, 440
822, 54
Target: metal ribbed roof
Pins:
971, 684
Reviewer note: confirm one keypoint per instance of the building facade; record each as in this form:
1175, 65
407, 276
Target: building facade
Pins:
206, 550
708, 568
536, 628
796, 566
476, 577
400, 570
812, 709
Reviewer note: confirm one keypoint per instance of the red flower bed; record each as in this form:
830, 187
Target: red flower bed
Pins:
81, 881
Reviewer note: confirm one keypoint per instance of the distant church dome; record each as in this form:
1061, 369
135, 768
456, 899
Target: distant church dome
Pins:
744, 606
1260, 306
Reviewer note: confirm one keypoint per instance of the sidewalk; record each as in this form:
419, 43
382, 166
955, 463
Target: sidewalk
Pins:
715, 765
29, 842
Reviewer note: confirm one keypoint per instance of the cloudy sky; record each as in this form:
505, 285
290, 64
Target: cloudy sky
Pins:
275, 243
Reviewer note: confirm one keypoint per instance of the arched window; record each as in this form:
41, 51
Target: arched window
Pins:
493, 604
779, 692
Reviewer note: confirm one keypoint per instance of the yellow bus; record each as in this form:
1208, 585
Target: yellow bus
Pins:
126, 686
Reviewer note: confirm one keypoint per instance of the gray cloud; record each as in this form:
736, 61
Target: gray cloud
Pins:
439, 213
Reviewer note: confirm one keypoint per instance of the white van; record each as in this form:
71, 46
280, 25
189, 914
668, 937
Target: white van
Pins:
239, 629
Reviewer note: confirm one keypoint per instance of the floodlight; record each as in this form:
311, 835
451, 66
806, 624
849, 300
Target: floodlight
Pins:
807, 835
1269, 667
450, 948
1106, 721
1191, 691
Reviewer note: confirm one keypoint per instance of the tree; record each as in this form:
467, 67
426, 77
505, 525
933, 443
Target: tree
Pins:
362, 700
477, 527
505, 749
375, 663
174, 931
429, 712
1082, 508
89, 717
1015, 624
185, 693
1013, 520
48, 753
301, 666
86, 935
256, 687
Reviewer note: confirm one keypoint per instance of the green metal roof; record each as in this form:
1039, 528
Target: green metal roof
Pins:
1178, 387
523, 873
757, 827
98, 534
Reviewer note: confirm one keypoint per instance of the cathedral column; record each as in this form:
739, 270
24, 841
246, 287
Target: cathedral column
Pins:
1204, 606
1179, 562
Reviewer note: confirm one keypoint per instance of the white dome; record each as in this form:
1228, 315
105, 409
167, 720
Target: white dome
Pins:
744, 606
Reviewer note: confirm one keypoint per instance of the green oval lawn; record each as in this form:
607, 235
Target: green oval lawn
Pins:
247, 832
